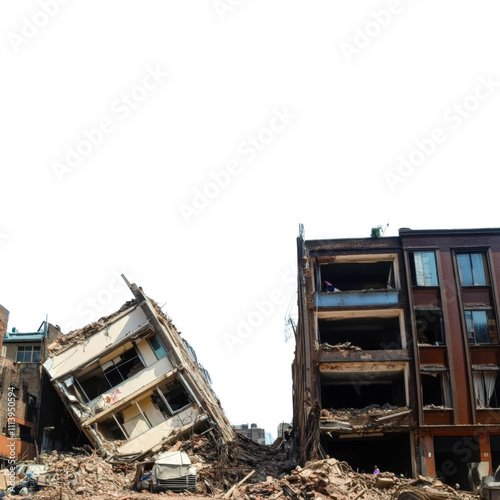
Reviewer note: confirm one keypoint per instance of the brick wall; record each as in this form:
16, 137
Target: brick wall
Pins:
4, 319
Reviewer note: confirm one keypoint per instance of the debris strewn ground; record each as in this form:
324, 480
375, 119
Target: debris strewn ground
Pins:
241, 470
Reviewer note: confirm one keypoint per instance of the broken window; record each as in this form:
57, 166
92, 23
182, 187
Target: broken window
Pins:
430, 327
103, 378
122, 367
171, 399
372, 333
112, 428
486, 388
28, 354
361, 389
423, 269
481, 327
472, 269
436, 389
345, 276
158, 349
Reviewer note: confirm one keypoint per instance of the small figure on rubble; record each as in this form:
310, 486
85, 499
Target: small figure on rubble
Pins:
376, 471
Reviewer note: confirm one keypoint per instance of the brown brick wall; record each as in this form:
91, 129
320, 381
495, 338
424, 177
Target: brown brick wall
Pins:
4, 319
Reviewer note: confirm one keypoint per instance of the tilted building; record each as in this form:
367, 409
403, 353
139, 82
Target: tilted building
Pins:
398, 352
132, 384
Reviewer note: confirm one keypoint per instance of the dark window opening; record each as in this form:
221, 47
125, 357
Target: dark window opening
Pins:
25, 433
366, 333
495, 451
436, 389
171, 399
361, 389
111, 430
472, 269
486, 388
481, 327
452, 456
423, 269
391, 452
430, 327
113, 373
357, 276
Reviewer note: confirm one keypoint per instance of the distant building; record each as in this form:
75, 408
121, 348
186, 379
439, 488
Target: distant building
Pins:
282, 427
253, 432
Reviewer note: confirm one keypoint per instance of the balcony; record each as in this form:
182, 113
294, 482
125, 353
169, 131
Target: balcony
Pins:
357, 298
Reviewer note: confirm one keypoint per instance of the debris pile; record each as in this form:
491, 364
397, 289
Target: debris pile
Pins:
339, 347
368, 417
330, 478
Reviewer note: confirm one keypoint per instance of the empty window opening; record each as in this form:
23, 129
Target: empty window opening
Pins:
357, 276
481, 327
472, 269
423, 269
361, 389
452, 456
436, 389
486, 388
367, 333
430, 327
495, 451
171, 399
28, 354
25, 433
112, 428
103, 378
391, 452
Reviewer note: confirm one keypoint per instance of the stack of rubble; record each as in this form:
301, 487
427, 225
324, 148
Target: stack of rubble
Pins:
339, 347
368, 417
330, 478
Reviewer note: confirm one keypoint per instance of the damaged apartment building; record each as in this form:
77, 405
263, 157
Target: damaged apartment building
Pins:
398, 355
132, 384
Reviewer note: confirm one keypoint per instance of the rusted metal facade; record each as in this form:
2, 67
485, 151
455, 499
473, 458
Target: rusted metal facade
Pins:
398, 352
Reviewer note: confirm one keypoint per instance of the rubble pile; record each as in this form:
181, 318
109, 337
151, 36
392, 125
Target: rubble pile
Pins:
64, 341
330, 478
72, 475
339, 347
368, 416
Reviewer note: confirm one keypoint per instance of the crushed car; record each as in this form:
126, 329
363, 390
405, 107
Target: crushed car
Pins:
169, 471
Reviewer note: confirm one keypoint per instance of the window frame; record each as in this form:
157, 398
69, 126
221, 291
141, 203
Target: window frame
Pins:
413, 269
490, 316
33, 348
485, 268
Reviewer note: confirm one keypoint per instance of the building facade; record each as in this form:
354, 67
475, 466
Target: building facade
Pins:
252, 432
131, 383
22, 388
398, 352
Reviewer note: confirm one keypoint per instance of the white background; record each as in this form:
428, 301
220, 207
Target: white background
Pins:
359, 102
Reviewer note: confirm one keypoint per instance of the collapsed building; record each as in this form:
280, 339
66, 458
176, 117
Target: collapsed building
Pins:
132, 384
398, 353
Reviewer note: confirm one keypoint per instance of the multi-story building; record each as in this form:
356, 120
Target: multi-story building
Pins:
252, 432
398, 351
22, 390
131, 383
